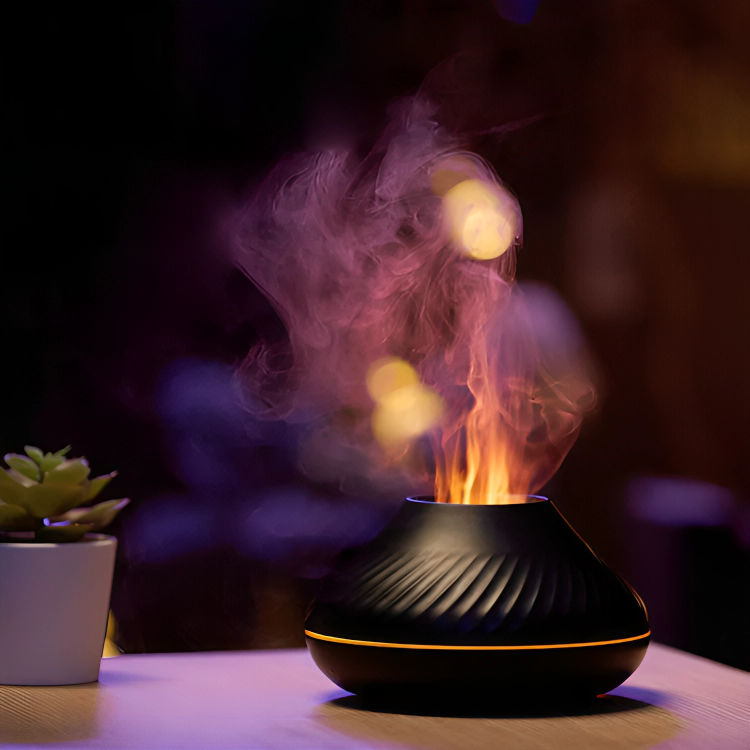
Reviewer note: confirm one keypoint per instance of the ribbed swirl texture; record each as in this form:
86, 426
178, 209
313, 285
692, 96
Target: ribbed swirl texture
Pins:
424, 588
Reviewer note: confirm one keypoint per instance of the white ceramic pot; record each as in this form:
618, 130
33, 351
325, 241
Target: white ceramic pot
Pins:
54, 602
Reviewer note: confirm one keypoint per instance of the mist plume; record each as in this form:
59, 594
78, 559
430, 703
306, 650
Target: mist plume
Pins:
385, 257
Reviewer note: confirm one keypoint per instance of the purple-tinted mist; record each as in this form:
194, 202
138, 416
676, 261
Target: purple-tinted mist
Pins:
355, 255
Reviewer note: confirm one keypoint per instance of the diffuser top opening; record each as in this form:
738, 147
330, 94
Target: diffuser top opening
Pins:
513, 500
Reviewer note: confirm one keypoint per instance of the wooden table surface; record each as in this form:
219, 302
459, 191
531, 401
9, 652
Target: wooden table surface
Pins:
279, 700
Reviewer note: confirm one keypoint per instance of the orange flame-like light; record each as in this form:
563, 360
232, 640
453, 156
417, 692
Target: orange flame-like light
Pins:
483, 462
477, 463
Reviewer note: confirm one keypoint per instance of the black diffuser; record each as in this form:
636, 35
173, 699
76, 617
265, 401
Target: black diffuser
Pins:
477, 600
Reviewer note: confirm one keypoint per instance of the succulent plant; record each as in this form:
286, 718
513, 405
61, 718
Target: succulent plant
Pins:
40, 494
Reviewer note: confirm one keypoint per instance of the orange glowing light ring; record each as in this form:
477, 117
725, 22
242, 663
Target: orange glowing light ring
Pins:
378, 644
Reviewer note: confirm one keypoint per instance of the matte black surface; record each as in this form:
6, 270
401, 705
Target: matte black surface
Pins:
471, 575
551, 673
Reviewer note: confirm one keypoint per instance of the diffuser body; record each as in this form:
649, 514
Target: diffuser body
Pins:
500, 600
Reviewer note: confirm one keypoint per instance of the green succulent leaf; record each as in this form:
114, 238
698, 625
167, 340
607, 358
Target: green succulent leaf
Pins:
21, 479
23, 465
12, 490
69, 472
97, 484
34, 453
15, 518
41, 486
69, 533
50, 461
99, 516
50, 498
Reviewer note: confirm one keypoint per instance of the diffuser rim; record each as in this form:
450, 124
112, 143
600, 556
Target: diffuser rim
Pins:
430, 500
442, 647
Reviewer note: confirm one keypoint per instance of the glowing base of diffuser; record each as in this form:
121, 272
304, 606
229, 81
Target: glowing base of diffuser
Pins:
502, 600
580, 671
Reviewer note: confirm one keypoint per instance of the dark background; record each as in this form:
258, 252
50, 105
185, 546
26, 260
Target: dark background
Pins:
131, 129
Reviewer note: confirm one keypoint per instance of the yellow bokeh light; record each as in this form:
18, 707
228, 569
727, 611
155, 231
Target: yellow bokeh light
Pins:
389, 374
405, 408
483, 218
450, 172
404, 414
110, 644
